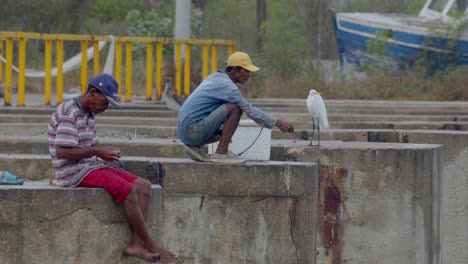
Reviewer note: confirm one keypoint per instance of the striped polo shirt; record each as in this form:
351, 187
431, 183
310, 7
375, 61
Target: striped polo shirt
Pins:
71, 127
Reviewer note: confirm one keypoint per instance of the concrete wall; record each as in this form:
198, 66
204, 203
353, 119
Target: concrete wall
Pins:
378, 203
40, 224
210, 213
453, 216
454, 192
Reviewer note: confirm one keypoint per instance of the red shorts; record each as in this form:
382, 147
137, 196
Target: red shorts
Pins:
117, 182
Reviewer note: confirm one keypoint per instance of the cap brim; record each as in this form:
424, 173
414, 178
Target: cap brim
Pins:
251, 68
114, 102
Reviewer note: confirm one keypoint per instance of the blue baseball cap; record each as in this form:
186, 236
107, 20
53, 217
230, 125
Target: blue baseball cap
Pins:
108, 86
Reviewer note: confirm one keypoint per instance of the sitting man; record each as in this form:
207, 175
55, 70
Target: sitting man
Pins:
213, 111
78, 162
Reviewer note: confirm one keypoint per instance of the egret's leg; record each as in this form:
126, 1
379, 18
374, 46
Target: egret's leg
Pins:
318, 131
313, 129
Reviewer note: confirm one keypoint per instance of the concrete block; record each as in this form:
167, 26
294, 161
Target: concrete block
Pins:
47, 224
212, 229
378, 202
210, 213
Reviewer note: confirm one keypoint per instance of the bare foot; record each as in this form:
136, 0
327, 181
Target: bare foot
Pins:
142, 253
165, 256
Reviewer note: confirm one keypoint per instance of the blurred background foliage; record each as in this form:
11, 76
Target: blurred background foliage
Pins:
292, 41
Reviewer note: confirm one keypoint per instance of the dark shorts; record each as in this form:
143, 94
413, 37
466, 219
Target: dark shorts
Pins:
117, 182
199, 133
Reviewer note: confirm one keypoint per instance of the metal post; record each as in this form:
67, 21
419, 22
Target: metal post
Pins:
214, 58
183, 18
159, 60
59, 71
128, 72
205, 61
149, 71
1, 62
187, 70
118, 65
48, 72
8, 70
178, 70
21, 73
96, 57
84, 65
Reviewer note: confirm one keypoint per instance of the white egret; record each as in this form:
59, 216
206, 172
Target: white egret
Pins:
317, 109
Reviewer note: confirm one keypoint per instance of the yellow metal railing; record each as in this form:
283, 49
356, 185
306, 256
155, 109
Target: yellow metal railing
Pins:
8, 38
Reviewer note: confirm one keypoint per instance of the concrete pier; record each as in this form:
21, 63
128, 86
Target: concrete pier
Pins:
387, 185
207, 213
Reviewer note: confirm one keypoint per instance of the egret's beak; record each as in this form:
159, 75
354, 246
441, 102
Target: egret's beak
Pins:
319, 93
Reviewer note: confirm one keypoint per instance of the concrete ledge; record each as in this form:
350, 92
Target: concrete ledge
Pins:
273, 178
149, 120
210, 213
299, 121
155, 111
104, 130
385, 134
129, 147
40, 223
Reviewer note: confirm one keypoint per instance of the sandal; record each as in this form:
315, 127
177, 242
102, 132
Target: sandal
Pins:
7, 178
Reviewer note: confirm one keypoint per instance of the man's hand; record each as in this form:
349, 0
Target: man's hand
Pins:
284, 126
108, 153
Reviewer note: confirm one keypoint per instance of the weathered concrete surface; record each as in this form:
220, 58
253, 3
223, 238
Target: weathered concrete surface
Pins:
154, 111
453, 181
40, 223
454, 192
371, 106
145, 131
104, 130
148, 121
156, 147
453, 215
452, 219
248, 214
293, 114
378, 203
298, 121
253, 213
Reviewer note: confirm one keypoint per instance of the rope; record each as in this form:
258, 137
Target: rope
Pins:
242, 152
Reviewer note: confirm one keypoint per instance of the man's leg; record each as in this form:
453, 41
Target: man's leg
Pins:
230, 126
136, 220
204, 132
142, 189
122, 185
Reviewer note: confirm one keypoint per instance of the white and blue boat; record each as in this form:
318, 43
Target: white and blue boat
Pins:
439, 32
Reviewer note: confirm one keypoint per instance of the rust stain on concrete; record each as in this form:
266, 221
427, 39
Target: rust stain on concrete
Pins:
202, 200
331, 202
292, 212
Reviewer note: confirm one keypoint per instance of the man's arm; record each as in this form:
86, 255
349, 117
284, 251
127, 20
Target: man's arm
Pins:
284, 126
259, 116
107, 153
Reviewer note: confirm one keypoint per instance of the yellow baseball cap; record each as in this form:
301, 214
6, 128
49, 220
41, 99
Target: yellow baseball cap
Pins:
241, 59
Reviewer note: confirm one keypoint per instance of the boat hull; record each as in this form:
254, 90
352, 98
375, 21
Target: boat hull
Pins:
404, 44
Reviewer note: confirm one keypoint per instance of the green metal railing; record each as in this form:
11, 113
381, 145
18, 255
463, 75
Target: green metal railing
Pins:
8, 38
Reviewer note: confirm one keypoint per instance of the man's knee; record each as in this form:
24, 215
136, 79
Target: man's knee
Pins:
233, 109
142, 186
